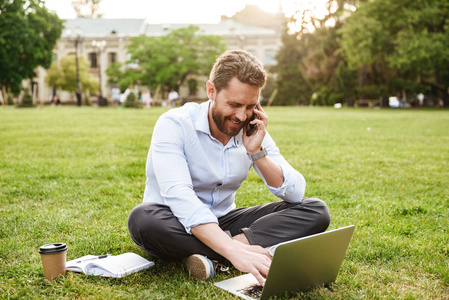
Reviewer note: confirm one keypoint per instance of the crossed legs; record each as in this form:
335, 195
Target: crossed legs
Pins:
155, 229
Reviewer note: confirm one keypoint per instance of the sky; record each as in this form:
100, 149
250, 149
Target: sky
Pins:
169, 11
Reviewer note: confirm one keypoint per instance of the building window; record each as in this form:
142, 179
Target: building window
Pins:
112, 57
93, 60
270, 57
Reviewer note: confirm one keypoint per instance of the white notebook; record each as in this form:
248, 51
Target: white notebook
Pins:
109, 265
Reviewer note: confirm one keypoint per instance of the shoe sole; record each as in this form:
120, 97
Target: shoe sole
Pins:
198, 266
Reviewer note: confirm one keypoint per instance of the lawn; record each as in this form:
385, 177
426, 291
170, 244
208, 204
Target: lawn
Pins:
72, 175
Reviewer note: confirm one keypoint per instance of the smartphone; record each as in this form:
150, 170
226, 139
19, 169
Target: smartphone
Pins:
251, 127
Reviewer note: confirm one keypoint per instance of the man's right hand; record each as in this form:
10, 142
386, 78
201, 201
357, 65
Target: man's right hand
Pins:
251, 259
247, 258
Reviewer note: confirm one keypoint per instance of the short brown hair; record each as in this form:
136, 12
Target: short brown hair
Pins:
240, 64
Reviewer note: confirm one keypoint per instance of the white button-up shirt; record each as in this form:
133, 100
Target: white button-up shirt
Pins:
196, 175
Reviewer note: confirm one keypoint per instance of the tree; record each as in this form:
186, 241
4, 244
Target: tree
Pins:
310, 68
131, 101
293, 87
168, 60
87, 8
62, 75
27, 100
123, 78
27, 37
403, 38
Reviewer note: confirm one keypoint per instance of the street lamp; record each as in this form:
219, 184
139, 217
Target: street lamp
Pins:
78, 40
100, 45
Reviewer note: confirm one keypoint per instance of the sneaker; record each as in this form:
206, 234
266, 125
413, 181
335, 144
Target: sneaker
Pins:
199, 266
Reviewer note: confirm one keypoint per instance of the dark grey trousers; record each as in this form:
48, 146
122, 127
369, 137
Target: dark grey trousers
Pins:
155, 229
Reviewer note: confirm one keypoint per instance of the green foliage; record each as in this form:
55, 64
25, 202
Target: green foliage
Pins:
363, 41
405, 38
380, 49
169, 60
123, 79
293, 87
131, 101
370, 91
326, 96
62, 75
27, 37
73, 175
311, 70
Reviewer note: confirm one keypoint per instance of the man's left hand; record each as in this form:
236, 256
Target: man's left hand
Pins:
253, 143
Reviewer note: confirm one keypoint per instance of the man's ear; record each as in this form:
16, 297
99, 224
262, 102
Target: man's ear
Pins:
210, 90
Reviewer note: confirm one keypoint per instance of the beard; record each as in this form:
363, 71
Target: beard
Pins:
220, 122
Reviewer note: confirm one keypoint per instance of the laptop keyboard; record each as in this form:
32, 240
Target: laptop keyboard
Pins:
254, 291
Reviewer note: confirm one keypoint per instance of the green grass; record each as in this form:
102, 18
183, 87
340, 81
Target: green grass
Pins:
72, 175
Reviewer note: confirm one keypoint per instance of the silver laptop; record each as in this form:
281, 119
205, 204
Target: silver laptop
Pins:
297, 265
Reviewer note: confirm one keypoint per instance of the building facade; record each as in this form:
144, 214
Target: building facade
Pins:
104, 41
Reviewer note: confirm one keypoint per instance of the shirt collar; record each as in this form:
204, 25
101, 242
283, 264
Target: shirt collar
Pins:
202, 124
202, 120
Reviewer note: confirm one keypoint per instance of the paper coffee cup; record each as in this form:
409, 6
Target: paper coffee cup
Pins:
53, 259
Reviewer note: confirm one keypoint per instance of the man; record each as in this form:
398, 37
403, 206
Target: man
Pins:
173, 96
115, 93
199, 156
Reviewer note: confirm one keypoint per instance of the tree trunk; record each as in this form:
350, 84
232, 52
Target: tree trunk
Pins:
384, 102
363, 78
4, 96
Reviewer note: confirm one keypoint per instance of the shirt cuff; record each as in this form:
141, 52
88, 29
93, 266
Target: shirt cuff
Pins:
198, 218
292, 190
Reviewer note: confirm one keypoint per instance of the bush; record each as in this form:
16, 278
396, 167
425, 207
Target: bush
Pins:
27, 100
131, 101
327, 96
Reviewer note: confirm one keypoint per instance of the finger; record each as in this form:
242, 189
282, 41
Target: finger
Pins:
259, 107
263, 270
261, 115
261, 250
259, 278
268, 261
265, 264
261, 126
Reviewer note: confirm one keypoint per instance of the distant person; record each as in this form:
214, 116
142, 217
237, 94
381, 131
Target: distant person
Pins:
421, 99
173, 96
146, 98
199, 156
115, 94
403, 101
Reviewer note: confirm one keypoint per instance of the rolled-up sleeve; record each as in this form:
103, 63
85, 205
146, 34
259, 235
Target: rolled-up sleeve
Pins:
294, 186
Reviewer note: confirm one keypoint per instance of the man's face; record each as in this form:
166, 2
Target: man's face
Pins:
232, 107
